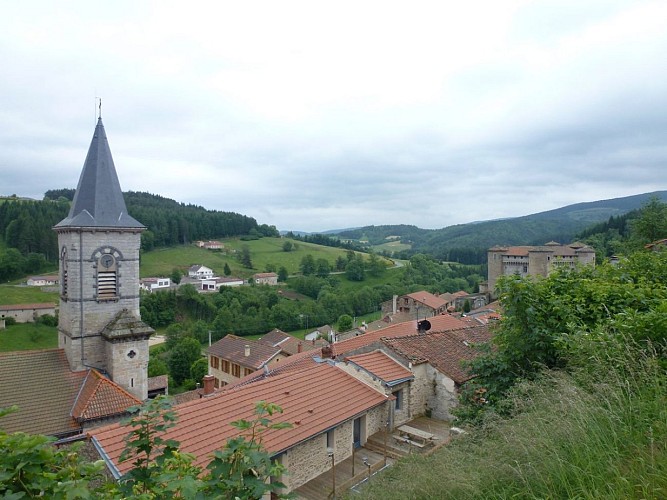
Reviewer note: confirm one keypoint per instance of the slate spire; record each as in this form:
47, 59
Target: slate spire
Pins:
98, 201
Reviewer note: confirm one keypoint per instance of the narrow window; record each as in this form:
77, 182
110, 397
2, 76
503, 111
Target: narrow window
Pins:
63, 278
330, 438
398, 402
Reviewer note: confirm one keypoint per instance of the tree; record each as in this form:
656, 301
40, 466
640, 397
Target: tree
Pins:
282, 274
181, 358
322, 267
227, 270
651, 225
288, 246
199, 369
354, 270
341, 262
159, 469
345, 323
307, 265
176, 275
32, 467
245, 258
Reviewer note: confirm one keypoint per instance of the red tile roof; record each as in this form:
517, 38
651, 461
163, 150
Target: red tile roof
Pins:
43, 387
440, 322
158, 382
382, 366
445, 351
204, 425
232, 348
289, 344
427, 298
101, 398
22, 307
52, 399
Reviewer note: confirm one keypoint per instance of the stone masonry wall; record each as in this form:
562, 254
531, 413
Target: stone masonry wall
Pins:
128, 365
80, 312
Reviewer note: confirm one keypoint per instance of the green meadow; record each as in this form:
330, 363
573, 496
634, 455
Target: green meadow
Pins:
264, 253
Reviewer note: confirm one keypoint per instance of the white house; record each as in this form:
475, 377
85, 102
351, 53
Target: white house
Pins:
200, 272
265, 278
153, 284
51, 279
212, 284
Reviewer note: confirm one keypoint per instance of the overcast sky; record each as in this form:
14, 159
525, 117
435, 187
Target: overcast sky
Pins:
322, 115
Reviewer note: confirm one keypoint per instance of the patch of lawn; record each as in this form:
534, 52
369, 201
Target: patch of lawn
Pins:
28, 336
17, 294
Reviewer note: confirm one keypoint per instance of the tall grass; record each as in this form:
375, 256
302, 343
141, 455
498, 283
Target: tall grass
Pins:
598, 433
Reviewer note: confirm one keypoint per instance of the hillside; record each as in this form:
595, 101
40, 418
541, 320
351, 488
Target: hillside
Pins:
470, 241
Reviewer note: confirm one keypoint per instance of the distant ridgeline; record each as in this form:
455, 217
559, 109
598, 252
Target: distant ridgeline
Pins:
468, 243
26, 224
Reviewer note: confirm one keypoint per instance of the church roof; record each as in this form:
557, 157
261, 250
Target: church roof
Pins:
125, 325
52, 399
98, 201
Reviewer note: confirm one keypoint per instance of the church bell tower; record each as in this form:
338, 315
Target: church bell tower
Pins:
99, 323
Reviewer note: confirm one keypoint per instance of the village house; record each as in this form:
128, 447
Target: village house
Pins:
657, 246
533, 261
232, 357
417, 305
210, 245
154, 284
265, 278
27, 313
289, 344
214, 284
45, 280
197, 271
330, 412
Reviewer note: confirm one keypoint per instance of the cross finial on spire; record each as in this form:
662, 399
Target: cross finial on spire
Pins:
99, 115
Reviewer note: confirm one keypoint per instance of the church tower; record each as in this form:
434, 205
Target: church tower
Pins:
99, 324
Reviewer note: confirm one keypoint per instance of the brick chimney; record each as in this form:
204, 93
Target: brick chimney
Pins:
327, 352
208, 384
246, 350
299, 347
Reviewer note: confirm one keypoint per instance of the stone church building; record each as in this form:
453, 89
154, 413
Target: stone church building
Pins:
100, 367
99, 325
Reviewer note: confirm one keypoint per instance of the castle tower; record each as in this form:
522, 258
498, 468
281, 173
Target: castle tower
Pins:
99, 324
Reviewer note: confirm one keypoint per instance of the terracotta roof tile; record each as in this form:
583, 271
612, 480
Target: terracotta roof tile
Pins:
427, 298
440, 322
159, 382
382, 366
204, 425
14, 307
445, 351
100, 397
41, 384
232, 348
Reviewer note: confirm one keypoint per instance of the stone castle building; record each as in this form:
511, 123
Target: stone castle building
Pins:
534, 260
99, 324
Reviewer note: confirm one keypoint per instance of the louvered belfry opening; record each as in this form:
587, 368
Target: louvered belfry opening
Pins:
107, 278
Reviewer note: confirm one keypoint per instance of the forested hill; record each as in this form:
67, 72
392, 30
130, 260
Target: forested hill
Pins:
467, 243
27, 224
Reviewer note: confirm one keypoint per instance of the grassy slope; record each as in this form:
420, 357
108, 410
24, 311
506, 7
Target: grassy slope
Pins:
25, 336
262, 252
11, 294
603, 438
